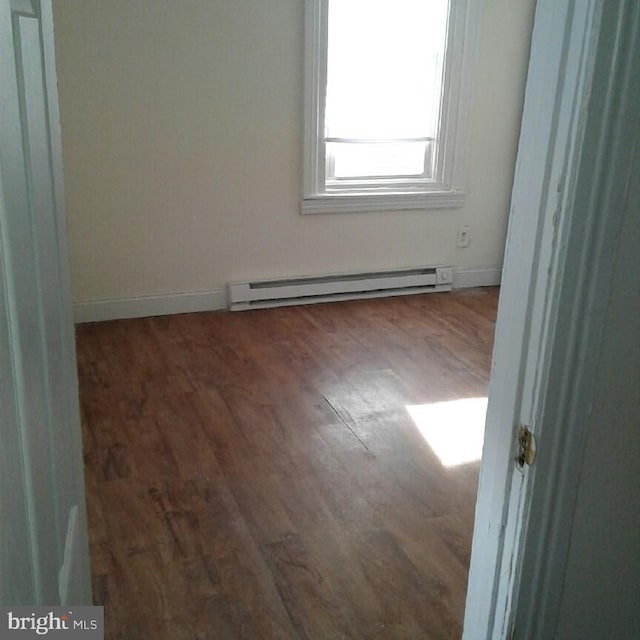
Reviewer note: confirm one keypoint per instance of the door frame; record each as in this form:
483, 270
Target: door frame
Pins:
43, 544
566, 216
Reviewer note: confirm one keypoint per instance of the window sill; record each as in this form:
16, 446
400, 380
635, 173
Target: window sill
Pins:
354, 203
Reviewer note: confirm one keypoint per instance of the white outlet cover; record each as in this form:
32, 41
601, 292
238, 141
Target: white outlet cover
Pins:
462, 239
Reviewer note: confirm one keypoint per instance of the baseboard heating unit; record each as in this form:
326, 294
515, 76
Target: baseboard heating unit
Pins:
260, 294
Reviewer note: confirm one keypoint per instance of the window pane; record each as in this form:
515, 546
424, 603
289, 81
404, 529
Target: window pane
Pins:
373, 159
384, 68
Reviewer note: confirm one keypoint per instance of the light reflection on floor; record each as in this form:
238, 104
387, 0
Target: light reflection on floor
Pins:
453, 429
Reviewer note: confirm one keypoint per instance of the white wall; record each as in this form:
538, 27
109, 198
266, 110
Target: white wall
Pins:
181, 128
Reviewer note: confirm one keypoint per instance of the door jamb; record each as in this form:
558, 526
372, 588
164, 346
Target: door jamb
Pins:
558, 89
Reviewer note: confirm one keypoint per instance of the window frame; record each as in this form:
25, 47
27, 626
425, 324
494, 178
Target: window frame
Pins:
447, 190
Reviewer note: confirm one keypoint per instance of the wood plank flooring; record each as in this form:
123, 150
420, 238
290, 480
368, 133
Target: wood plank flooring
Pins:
256, 475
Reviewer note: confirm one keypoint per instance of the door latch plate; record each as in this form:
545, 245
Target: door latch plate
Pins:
526, 453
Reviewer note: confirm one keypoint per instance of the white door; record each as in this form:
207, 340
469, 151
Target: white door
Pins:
43, 543
578, 132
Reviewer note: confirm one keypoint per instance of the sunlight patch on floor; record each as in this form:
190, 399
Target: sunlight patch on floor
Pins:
454, 429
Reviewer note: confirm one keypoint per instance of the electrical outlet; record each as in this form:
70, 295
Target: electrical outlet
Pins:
462, 239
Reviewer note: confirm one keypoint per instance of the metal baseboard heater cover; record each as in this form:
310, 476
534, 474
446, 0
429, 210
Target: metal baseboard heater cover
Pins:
261, 294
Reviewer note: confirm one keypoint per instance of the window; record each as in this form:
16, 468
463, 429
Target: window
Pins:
387, 93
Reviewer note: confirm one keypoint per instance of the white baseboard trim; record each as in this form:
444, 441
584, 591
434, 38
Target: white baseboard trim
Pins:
163, 305
467, 278
145, 306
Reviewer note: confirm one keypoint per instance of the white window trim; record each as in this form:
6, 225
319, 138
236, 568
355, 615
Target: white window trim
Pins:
449, 190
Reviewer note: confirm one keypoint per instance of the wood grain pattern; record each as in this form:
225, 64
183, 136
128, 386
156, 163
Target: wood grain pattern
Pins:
257, 476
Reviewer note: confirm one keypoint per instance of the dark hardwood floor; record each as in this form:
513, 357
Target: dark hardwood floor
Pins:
256, 475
